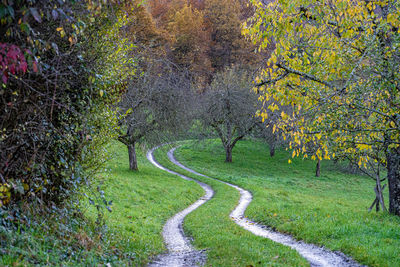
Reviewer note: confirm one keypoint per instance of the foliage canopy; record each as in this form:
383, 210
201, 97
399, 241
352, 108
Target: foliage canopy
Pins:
337, 64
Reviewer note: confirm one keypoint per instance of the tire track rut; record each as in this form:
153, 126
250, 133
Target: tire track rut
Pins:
180, 251
315, 255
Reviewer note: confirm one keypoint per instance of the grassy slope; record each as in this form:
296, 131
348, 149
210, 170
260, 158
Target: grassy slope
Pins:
226, 243
142, 202
330, 210
46, 245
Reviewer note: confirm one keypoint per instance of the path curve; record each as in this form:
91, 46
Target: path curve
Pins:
316, 256
180, 251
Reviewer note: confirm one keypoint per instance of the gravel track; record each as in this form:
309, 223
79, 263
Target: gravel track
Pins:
315, 255
180, 251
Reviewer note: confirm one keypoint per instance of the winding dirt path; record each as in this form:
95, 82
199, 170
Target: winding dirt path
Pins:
180, 251
316, 256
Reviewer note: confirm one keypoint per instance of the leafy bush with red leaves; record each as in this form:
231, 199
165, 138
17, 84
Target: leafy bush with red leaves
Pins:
12, 60
48, 100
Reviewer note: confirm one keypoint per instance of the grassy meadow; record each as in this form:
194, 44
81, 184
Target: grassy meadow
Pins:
330, 210
142, 203
226, 243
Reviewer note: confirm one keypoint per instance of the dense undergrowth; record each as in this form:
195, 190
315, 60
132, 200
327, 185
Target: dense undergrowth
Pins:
330, 210
63, 239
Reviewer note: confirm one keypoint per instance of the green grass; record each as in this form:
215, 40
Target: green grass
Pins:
226, 243
142, 203
330, 210
48, 246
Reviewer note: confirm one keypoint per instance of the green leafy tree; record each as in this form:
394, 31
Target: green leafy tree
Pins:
337, 64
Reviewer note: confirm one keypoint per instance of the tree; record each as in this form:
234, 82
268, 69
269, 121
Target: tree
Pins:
142, 28
162, 10
154, 104
267, 129
227, 47
337, 64
189, 47
204, 35
228, 107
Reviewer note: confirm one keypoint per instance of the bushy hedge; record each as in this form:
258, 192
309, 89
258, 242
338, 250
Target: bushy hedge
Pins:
54, 115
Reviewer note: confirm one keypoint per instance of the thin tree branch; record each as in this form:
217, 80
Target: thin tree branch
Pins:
273, 80
305, 75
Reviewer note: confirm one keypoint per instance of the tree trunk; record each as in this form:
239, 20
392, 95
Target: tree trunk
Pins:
393, 175
318, 168
228, 150
379, 190
132, 157
272, 150
376, 201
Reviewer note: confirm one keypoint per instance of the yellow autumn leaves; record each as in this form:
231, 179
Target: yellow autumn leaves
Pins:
323, 69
